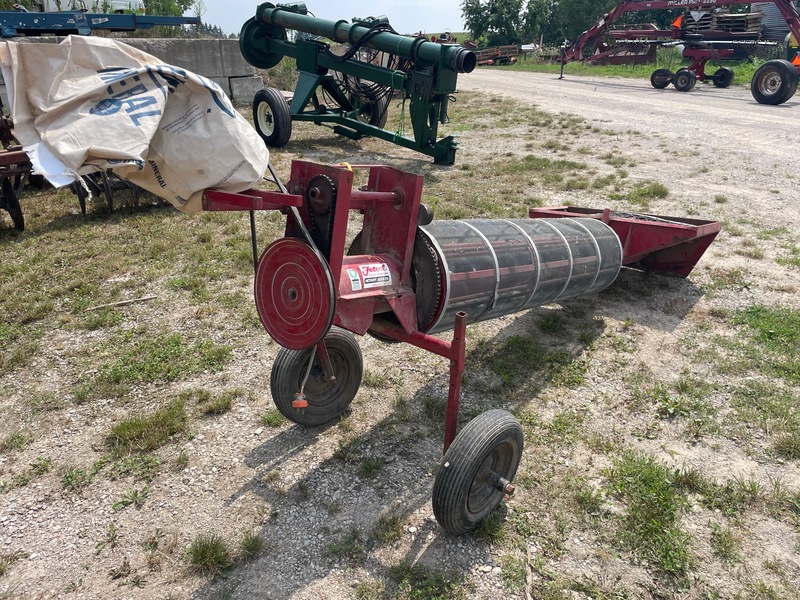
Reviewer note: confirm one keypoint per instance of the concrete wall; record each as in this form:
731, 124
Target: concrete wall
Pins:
219, 60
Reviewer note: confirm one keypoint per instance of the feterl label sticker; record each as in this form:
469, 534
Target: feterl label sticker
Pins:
355, 280
376, 275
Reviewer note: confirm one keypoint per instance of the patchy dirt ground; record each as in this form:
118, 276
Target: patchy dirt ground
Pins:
306, 493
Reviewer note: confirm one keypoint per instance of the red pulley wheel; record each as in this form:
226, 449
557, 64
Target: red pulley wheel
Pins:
294, 293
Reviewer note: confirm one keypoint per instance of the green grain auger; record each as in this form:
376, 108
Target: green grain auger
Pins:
351, 91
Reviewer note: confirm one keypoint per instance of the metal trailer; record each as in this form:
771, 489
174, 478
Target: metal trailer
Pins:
406, 276
497, 55
774, 82
351, 92
14, 24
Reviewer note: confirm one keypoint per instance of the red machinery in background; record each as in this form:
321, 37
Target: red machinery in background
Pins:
774, 82
405, 277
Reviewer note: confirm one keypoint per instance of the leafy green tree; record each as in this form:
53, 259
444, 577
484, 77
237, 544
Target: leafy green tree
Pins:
9, 4
501, 22
167, 8
534, 19
570, 18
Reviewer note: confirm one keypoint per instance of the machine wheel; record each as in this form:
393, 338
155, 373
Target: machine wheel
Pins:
374, 110
722, 77
467, 487
774, 82
326, 398
661, 78
684, 80
272, 117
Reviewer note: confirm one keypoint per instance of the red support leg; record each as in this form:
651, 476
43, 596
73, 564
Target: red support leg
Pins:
458, 353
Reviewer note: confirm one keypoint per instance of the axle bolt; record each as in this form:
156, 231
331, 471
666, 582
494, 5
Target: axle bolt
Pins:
504, 485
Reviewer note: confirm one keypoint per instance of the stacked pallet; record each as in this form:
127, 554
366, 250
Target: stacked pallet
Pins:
737, 22
697, 22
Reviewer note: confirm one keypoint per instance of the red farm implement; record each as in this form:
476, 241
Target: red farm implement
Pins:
497, 55
406, 277
774, 82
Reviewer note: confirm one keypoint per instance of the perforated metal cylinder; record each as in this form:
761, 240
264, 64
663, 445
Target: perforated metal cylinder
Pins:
497, 267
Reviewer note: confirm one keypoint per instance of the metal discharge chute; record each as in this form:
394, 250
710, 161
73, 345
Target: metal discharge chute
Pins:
351, 91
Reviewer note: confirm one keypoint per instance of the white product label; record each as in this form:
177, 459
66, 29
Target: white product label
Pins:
355, 280
376, 275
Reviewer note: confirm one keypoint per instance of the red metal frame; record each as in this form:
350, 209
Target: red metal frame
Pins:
575, 50
390, 205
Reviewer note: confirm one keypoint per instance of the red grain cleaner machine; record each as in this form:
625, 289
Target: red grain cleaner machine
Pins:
405, 277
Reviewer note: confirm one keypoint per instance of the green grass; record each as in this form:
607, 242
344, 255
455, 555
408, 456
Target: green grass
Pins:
164, 357
9, 558
417, 582
251, 544
652, 507
75, 479
514, 573
350, 549
16, 441
772, 408
370, 466
210, 404
792, 258
134, 497
389, 528
643, 193
725, 543
148, 433
141, 467
273, 418
776, 333
209, 554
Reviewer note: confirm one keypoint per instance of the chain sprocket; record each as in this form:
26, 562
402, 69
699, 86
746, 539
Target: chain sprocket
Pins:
321, 205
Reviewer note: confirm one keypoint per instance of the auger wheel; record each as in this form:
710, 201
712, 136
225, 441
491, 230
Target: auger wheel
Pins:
311, 391
477, 471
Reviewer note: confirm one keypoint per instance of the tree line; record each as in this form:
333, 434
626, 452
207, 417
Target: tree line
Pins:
501, 22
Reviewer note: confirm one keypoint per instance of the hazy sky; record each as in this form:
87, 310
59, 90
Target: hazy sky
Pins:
406, 16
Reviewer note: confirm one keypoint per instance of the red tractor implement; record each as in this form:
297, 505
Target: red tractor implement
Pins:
774, 82
405, 277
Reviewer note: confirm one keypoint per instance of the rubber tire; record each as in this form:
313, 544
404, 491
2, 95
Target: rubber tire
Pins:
272, 118
326, 400
661, 78
494, 437
374, 110
722, 77
684, 80
781, 72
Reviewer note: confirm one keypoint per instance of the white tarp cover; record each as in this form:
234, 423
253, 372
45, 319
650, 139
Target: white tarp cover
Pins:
90, 104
